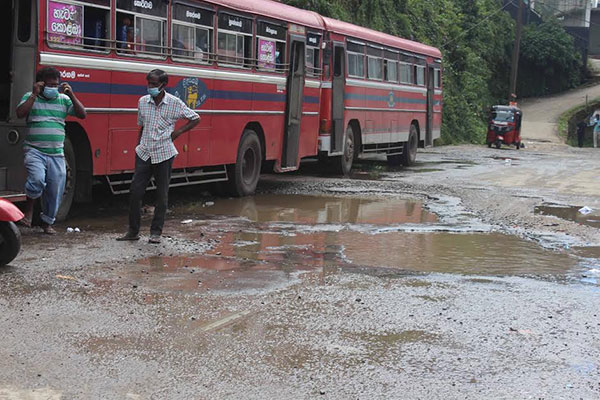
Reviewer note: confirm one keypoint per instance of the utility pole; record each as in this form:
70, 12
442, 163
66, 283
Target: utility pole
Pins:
512, 96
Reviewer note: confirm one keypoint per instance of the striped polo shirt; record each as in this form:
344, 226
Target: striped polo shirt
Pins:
46, 123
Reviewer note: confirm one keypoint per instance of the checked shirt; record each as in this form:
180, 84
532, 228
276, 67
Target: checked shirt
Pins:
159, 122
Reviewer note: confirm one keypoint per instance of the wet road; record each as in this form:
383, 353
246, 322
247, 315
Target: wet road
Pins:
390, 285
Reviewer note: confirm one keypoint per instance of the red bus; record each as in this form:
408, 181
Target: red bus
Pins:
273, 84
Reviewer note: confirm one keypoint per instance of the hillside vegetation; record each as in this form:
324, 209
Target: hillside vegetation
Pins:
476, 39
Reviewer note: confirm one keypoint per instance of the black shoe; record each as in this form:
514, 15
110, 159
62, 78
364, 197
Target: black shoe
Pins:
131, 237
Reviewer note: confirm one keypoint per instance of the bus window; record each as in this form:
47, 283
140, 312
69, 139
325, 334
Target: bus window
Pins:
420, 74
375, 67
82, 24
391, 70
192, 38
313, 52
234, 40
405, 73
356, 60
438, 78
390, 66
24, 24
141, 27
270, 46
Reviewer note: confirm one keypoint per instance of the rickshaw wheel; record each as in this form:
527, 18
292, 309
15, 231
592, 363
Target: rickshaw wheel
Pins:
498, 144
489, 144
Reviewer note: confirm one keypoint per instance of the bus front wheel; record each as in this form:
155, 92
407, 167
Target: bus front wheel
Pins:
343, 164
244, 174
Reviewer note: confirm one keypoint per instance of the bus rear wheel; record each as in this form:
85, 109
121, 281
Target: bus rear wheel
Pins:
409, 155
244, 174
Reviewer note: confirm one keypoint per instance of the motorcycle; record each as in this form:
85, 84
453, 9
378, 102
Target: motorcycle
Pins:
504, 126
10, 236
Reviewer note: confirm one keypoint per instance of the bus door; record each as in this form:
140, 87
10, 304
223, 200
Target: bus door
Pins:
294, 103
430, 93
17, 70
337, 96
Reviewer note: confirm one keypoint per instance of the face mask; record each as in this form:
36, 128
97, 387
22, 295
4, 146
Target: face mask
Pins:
50, 92
154, 91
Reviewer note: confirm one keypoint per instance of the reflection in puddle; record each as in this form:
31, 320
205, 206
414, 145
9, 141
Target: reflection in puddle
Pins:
321, 210
279, 238
569, 213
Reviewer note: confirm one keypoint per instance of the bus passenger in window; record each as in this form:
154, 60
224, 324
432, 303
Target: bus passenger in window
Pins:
158, 112
46, 110
126, 34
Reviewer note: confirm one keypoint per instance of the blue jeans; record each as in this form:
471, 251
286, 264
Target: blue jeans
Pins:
46, 178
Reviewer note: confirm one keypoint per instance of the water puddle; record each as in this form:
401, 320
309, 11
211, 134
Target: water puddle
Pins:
314, 210
267, 242
570, 213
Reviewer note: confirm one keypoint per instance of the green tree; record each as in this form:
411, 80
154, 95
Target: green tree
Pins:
476, 39
549, 62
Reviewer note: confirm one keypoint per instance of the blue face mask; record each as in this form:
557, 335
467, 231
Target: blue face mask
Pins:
154, 91
50, 92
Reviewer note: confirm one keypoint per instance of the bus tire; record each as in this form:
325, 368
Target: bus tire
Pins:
409, 155
343, 164
244, 174
10, 242
69, 193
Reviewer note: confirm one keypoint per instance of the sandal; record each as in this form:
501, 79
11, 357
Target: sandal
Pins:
48, 229
26, 222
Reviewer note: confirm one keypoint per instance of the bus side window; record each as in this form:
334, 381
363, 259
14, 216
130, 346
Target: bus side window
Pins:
234, 40
141, 27
192, 33
24, 24
125, 32
96, 25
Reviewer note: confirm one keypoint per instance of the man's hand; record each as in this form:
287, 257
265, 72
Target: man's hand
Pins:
38, 88
66, 89
190, 124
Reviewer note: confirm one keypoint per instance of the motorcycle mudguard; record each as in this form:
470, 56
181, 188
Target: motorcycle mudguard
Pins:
9, 212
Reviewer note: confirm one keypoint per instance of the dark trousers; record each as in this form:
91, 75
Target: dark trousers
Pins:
144, 170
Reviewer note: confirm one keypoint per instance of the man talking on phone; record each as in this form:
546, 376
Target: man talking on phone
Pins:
46, 110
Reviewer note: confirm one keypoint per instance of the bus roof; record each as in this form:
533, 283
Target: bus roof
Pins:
310, 19
275, 10
358, 32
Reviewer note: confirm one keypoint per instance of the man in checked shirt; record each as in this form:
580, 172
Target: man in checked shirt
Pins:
157, 114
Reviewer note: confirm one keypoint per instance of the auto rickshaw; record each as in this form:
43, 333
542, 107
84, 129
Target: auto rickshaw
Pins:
504, 126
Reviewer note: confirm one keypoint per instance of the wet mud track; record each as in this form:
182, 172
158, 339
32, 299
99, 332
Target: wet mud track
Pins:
394, 286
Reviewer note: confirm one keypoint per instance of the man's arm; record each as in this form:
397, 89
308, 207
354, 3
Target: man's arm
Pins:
77, 106
190, 125
140, 134
25, 107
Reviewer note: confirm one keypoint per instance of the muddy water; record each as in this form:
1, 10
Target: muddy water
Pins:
268, 241
570, 214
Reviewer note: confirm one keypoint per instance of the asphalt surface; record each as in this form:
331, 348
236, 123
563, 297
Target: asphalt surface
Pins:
438, 281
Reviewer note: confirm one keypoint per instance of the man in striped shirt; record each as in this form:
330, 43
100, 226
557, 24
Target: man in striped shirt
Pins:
46, 110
